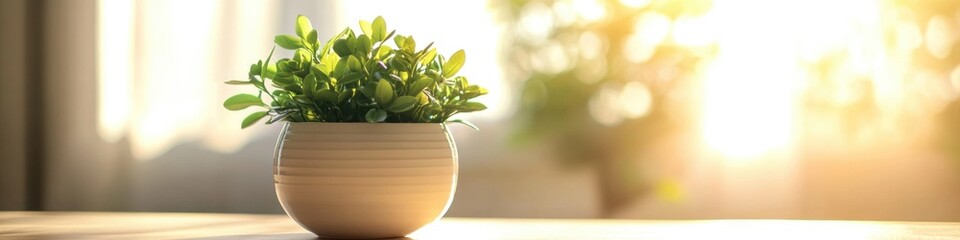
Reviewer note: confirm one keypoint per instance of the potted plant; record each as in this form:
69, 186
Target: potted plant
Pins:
364, 152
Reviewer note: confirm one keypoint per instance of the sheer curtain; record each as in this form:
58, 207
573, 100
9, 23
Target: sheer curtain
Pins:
160, 68
128, 113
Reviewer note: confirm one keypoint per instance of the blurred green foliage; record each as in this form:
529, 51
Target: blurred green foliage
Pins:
560, 105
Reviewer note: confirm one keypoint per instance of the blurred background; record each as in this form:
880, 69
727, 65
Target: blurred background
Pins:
652, 109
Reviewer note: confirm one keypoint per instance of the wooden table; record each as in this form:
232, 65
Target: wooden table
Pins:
102, 225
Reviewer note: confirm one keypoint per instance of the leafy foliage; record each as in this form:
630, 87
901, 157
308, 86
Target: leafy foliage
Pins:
357, 78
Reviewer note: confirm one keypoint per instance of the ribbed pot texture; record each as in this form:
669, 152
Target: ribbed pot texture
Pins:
365, 180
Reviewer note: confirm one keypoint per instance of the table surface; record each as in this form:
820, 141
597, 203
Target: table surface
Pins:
115, 225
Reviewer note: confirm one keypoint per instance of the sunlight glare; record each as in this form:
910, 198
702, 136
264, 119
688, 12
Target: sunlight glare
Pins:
748, 99
115, 46
536, 22
941, 34
224, 135
635, 100
692, 31
176, 76
635, 3
651, 30
752, 85
589, 10
955, 81
604, 107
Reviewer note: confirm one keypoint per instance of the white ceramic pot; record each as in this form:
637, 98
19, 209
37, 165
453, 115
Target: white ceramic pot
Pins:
365, 180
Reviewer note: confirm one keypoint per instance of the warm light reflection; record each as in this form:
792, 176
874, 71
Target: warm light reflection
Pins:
613, 105
773, 102
767, 73
679, 230
749, 86
537, 22
752, 86
589, 10
651, 30
773, 229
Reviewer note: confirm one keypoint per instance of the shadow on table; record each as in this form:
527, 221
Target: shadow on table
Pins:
283, 236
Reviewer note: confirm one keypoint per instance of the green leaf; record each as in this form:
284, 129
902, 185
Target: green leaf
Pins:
473, 91
252, 118
330, 43
242, 101
330, 61
323, 81
270, 71
365, 27
352, 43
423, 98
284, 66
379, 29
350, 78
429, 56
288, 42
410, 45
327, 96
384, 94
344, 95
418, 85
471, 107
353, 64
310, 84
303, 26
399, 40
434, 75
340, 68
255, 69
341, 48
284, 79
369, 89
265, 70
303, 99
390, 35
382, 52
238, 82
363, 44
402, 104
465, 122
302, 56
313, 40
461, 82
376, 115
319, 68
454, 64
399, 62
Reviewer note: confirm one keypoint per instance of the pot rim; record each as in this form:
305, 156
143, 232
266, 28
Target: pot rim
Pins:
363, 127
358, 123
